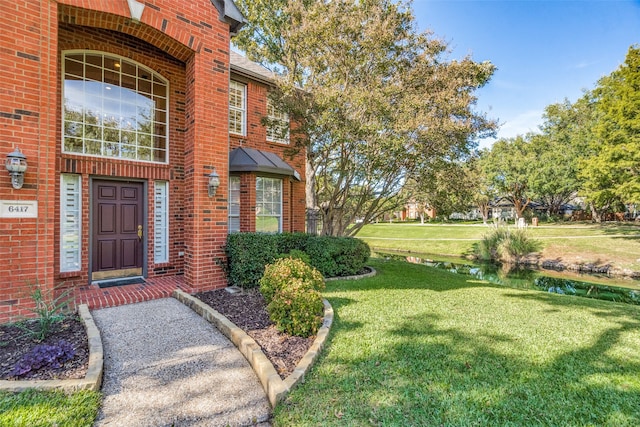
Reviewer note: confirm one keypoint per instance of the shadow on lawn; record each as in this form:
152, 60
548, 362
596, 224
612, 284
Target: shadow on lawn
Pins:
630, 231
458, 379
464, 378
429, 373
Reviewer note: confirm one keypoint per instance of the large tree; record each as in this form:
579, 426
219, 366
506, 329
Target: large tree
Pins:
376, 101
509, 165
557, 151
447, 187
612, 172
483, 191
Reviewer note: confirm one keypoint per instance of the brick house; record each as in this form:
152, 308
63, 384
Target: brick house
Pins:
124, 110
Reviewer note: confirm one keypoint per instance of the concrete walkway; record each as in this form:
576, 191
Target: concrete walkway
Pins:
166, 366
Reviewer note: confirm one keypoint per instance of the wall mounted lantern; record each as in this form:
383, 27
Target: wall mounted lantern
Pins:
16, 165
214, 183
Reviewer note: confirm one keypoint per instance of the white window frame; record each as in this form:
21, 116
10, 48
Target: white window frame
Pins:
278, 120
124, 139
160, 222
239, 90
70, 222
260, 205
234, 204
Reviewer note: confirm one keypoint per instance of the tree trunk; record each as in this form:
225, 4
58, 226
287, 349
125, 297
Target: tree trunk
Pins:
484, 211
520, 207
596, 215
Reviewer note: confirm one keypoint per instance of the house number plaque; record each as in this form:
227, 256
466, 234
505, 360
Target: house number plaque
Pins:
18, 209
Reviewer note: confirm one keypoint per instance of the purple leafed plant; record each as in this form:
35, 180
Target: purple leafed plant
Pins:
44, 355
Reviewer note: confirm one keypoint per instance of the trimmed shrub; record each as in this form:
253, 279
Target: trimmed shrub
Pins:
292, 241
247, 254
296, 310
291, 289
337, 256
284, 272
297, 254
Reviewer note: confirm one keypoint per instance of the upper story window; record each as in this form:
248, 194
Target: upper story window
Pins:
113, 107
237, 107
278, 128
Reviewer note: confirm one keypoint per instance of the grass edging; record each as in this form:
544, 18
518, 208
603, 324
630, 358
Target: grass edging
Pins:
275, 388
93, 377
355, 277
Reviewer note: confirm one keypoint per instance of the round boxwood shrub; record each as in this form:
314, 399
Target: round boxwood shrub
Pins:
291, 289
285, 271
296, 310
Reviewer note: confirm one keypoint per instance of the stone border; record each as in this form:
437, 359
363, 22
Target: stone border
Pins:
275, 388
93, 377
372, 273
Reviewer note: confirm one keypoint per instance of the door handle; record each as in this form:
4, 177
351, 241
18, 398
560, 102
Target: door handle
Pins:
139, 232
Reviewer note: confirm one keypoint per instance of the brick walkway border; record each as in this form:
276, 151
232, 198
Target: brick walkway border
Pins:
275, 388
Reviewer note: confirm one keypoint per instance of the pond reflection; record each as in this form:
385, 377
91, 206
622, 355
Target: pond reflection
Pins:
526, 278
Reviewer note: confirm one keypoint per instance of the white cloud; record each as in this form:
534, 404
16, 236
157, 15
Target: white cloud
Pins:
521, 124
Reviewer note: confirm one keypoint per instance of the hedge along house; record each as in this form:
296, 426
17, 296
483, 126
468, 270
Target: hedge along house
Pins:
143, 148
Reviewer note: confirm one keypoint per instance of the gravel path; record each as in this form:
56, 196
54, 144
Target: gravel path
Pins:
166, 366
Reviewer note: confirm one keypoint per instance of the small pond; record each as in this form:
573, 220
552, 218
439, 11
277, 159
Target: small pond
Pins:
567, 283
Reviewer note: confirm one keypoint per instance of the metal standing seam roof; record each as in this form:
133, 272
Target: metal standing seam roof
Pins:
244, 159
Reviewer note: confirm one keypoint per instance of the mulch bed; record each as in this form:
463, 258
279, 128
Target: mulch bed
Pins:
15, 342
247, 310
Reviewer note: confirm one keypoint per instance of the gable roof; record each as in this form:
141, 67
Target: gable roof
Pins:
244, 159
241, 65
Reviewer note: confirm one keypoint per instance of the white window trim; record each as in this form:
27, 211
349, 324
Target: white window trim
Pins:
242, 109
70, 222
280, 201
229, 228
114, 56
282, 118
160, 222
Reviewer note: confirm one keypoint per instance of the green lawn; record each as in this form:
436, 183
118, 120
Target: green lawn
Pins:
35, 408
614, 244
416, 346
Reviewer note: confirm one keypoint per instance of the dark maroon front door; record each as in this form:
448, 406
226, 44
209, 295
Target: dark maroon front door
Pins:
118, 228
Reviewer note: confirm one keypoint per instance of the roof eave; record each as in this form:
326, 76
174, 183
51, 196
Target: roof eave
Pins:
230, 13
236, 69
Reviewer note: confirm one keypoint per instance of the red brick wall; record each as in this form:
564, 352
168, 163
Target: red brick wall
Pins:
76, 37
27, 55
293, 191
196, 44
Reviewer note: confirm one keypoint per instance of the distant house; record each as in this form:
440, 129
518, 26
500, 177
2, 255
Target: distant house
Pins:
143, 142
414, 210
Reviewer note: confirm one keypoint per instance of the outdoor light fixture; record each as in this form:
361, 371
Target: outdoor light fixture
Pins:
214, 183
16, 165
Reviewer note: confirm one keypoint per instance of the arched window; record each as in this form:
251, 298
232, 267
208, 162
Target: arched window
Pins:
113, 107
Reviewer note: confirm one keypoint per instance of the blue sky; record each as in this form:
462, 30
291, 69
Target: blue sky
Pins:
545, 51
